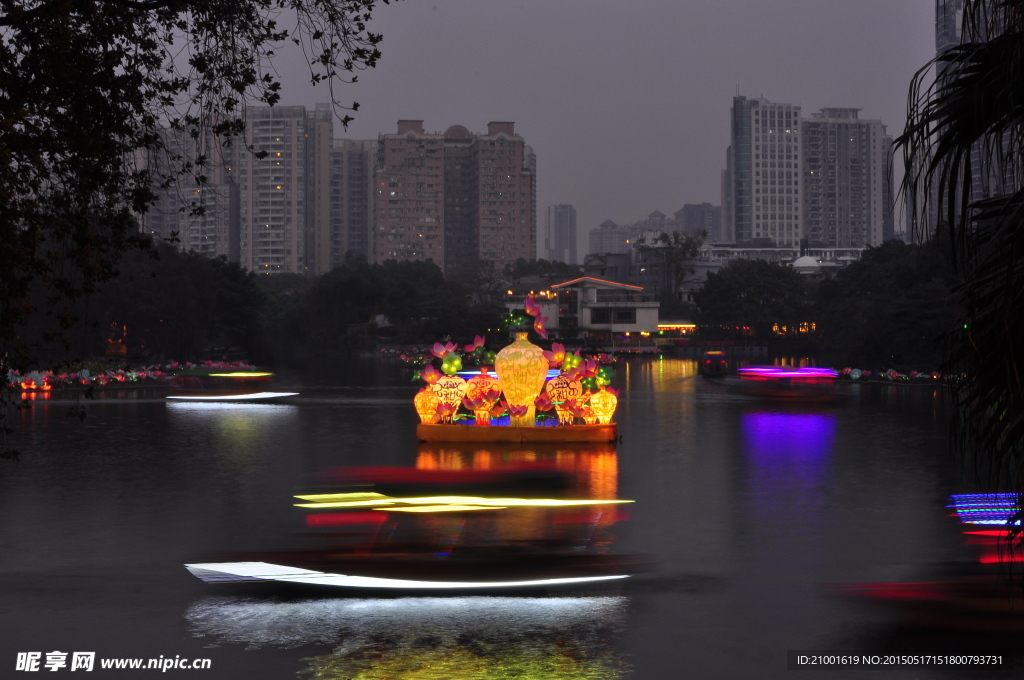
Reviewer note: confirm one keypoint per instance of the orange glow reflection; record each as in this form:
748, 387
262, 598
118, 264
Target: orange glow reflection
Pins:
594, 469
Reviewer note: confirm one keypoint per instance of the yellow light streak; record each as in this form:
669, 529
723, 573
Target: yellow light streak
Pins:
241, 374
326, 497
441, 508
370, 499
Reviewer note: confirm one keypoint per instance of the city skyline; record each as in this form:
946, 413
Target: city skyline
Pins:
572, 76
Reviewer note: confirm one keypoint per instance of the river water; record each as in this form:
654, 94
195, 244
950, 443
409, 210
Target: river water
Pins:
746, 510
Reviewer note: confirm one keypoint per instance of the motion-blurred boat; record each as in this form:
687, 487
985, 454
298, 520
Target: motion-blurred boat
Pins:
520, 528
713, 364
224, 386
786, 383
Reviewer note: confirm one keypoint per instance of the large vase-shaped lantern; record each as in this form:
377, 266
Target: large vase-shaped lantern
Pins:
603, 404
521, 369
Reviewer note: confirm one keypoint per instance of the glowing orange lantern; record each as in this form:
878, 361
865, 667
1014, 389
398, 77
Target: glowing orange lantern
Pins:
603, 404
426, 402
521, 369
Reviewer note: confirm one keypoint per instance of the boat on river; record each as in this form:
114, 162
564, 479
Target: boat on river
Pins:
786, 383
387, 529
229, 386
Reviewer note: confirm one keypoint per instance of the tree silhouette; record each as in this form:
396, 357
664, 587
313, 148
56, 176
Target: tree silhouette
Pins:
966, 129
86, 88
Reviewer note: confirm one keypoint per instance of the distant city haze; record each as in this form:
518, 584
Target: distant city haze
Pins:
627, 104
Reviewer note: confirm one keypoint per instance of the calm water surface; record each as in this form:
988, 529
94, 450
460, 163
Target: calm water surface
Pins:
746, 509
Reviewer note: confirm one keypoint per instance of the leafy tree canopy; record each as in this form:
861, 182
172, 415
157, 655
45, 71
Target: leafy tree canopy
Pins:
965, 128
753, 293
888, 309
85, 88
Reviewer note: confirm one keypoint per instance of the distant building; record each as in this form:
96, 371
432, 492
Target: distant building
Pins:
204, 220
694, 218
610, 237
762, 186
596, 310
352, 162
559, 243
460, 199
821, 182
847, 183
285, 198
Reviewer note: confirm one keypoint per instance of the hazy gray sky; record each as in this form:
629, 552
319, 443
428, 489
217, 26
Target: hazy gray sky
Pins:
626, 103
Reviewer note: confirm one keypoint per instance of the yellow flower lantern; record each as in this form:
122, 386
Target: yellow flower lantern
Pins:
521, 369
426, 402
562, 390
603, 404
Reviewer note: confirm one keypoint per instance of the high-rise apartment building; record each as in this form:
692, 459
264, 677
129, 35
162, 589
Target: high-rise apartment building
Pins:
285, 195
351, 198
612, 238
847, 183
202, 219
826, 179
460, 199
559, 243
285, 198
695, 218
761, 188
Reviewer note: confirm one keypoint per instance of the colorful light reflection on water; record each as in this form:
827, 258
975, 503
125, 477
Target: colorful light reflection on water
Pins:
788, 460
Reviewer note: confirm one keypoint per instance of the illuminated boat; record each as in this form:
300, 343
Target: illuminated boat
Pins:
435, 530
786, 383
421, 572
223, 386
232, 397
713, 364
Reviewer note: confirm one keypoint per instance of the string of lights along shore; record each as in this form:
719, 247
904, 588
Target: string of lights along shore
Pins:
468, 200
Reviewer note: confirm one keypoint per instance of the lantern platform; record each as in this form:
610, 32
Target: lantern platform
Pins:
506, 433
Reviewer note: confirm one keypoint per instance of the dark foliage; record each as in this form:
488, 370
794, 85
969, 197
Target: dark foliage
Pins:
165, 305
753, 293
358, 303
968, 127
890, 309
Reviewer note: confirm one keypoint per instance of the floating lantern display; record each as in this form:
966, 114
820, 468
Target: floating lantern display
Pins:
515, 387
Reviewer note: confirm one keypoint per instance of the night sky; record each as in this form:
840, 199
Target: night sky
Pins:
626, 104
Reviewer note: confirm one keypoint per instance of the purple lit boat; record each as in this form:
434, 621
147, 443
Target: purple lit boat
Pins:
786, 383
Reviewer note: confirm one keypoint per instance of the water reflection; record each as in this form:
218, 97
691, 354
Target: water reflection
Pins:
471, 638
591, 469
236, 428
788, 456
